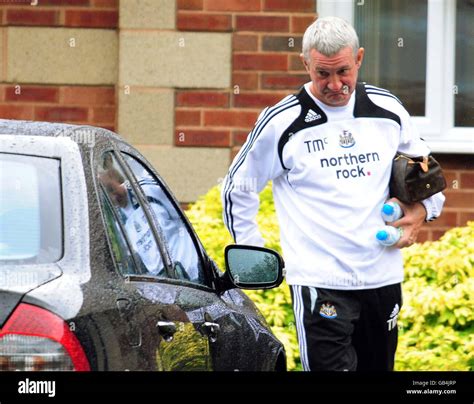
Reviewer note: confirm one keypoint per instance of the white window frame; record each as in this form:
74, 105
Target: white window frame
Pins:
437, 126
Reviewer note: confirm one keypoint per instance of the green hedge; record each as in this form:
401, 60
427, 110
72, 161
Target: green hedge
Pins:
436, 321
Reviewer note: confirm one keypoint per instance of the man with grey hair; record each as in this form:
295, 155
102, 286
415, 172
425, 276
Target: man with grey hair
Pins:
329, 152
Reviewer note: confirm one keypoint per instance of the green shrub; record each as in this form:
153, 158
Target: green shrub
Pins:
436, 321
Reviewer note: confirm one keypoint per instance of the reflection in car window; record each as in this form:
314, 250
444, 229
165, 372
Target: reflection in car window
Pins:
186, 262
30, 210
132, 217
118, 243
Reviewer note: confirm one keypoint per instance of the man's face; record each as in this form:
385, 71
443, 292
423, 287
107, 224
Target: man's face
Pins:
334, 77
116, 191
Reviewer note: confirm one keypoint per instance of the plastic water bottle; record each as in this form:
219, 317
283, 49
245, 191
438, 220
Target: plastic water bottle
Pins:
388, 235
391, 211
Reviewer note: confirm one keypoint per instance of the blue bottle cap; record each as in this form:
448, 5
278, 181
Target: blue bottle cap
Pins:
382, 235
388, 209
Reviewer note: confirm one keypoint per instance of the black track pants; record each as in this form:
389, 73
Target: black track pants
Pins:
347, 329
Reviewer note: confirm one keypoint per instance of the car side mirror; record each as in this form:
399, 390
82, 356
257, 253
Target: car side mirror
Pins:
251, 267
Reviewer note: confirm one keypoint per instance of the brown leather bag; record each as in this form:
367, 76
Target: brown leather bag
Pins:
415, 178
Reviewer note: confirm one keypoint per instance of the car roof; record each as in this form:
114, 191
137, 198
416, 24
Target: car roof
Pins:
34, 128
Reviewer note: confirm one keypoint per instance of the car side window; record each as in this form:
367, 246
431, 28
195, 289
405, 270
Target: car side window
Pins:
130, 217
119, 246
185, 258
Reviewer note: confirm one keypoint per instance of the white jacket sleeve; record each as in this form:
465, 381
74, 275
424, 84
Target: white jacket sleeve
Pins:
413, 145
255, 165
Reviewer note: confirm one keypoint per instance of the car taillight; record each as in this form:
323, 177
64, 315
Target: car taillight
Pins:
36, 339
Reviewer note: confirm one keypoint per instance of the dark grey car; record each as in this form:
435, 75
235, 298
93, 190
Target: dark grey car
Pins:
101, 270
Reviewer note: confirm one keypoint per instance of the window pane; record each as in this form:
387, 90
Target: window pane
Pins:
118, 244
184, 255
30, 210
464, 99
132, 217
394, 35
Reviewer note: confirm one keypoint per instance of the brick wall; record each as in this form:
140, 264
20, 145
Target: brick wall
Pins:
266, 66
459, 205
78, 104
88, 105
60, 13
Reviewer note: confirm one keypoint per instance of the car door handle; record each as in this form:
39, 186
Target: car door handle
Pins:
167, 329
211, 330
124, 307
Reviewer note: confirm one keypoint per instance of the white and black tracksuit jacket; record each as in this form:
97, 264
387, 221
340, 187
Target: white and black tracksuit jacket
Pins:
330, 168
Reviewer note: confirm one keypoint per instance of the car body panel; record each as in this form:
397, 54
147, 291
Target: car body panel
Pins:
75, 259
119, 320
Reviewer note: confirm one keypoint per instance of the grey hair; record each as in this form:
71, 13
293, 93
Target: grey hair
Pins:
328, 35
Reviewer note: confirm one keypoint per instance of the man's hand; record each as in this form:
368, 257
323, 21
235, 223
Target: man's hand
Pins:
413, 218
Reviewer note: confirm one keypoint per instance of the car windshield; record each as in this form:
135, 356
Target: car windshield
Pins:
30, 210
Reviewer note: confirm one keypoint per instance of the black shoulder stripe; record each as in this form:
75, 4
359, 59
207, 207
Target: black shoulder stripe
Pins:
385, 95
365, 108
379, 91
368, 87
310, 115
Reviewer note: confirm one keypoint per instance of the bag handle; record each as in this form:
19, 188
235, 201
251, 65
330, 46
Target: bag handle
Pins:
423, 164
